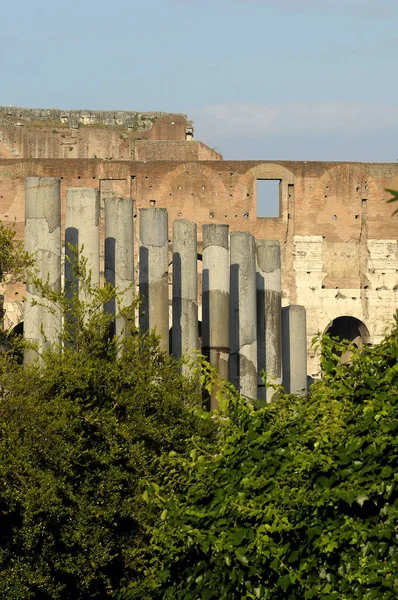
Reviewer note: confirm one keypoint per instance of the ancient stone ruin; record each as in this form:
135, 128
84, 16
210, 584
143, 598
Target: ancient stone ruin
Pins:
338, 242
241, 329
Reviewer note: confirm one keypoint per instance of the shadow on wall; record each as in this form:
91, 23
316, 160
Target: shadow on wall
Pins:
172, 350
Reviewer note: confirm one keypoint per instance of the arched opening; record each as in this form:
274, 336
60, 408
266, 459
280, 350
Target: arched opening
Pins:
18, 329
348, 329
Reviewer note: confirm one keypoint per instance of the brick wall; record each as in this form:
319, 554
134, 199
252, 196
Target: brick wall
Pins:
338, 240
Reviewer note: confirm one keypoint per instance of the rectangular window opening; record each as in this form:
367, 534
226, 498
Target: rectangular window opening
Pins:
267, 197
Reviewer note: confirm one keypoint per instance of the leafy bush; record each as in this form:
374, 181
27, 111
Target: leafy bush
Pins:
79, 432
113, 476
301, 501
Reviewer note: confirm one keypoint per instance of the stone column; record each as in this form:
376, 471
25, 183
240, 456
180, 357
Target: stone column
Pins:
185, 289
82, 230
269, 328
294, 350
215, 300
243, 334
153, 273
42, 324
119, 258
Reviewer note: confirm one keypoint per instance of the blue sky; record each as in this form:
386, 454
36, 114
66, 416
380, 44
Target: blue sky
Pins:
262, 79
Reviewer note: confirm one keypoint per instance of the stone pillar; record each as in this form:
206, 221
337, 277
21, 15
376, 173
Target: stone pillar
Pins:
215, 300
82, 230
42, 324
119, 258
243, 334
185, 289
269, 328
153, 273
294, 350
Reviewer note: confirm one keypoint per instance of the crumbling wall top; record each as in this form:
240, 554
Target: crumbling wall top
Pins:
137, 121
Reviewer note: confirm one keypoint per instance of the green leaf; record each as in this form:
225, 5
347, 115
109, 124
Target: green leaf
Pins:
240, 554
361, 499
284, 582
238, 536
386, 472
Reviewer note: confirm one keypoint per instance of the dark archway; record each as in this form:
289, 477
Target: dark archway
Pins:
18, 329
348, 329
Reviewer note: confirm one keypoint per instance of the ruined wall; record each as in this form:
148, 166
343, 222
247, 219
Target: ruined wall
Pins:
148, 150
53, 133
339, 242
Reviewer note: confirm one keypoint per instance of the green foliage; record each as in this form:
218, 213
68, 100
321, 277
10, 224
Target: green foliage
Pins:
394, 198
300, 501
80, 431
14, 261
113, 477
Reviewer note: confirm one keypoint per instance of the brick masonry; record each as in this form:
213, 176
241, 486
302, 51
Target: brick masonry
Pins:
339, 243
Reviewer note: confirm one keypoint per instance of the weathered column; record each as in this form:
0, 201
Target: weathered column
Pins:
153, 273
82, 230
294, 349
243, 334
42, 324
215, 300
119, 258
269, 328
185, 289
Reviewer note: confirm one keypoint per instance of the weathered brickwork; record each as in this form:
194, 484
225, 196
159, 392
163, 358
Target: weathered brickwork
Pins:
339, 243
111, 135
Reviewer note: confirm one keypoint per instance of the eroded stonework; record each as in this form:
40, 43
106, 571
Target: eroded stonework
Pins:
338, 239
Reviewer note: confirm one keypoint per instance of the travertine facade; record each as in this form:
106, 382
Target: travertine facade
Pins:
338, 240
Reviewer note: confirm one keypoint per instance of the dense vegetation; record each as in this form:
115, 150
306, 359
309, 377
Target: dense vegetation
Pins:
300, 502
77, 436
80, 431
114, 481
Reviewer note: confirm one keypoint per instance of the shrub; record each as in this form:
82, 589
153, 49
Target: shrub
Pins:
301, 501
79, 433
